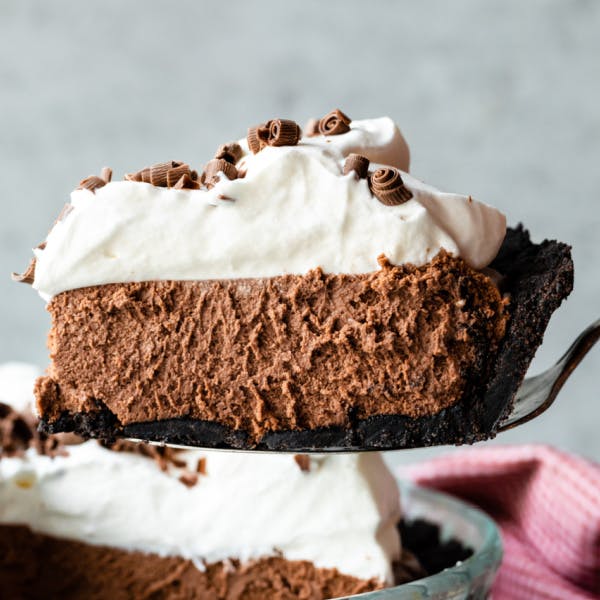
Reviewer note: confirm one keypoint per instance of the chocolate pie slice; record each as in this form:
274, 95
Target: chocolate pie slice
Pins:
299, 293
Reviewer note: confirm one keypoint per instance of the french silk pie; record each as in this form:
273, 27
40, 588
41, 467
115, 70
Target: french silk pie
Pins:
301, 291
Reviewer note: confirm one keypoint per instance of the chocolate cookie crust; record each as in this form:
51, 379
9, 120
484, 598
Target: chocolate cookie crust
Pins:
398, 358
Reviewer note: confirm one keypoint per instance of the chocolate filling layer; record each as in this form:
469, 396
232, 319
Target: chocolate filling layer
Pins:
40, 566
401, 357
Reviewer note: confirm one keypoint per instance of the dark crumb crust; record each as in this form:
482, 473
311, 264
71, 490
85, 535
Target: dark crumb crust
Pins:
36, 566
538, 277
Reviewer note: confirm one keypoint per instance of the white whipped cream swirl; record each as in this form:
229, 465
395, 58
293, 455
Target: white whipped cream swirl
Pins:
292, 212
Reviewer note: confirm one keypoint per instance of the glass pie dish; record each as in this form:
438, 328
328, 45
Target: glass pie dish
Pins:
468, 580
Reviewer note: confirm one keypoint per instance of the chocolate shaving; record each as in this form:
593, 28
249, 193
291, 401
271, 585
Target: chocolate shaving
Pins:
303, 461
311, 129
186, 182
18, 433
231, 152
276, 132
258, 137
357, 163
334, 123
163, 455
213, 167
137, 176
387, 186
159, 172
189, 479
178, 463
283, 132
106, 174
28, 275
155, 174
176, 173
253, 140
93, 182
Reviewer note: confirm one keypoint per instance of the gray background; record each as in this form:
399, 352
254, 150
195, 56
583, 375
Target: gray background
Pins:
497, 99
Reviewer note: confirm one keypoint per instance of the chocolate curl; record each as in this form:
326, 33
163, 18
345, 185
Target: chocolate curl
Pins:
137, 176
185, 182
357, 163
158, 172
303, 461
210, 176
311, 129
334, 123
253, 140
189, 479
231, 152
387, 186
18, 432
27, 276
257, 137
92, 183
106, 174
176, 173
283, 132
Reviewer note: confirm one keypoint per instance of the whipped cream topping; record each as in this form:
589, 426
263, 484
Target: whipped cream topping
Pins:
292, 212
342, 513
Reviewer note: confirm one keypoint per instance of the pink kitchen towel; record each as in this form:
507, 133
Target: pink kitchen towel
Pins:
547, 504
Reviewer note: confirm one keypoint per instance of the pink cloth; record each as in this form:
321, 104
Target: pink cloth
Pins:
547, 504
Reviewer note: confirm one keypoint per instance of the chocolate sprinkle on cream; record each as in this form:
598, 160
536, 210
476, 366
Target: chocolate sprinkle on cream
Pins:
257, 137
253, 140
276, 132
162, 455
189, 479
283, 132
93, 182
303, 461
186, 182
357, 163
106, 174
201, 466
18, 433
176, 173
231, 152
334, 123
387, 186
159, 172
213, 167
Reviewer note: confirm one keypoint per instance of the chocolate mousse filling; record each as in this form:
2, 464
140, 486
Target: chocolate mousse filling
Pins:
404, 356
34, 565
41, 566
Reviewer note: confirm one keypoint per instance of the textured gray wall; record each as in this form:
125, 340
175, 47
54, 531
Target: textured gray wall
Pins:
498, 99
